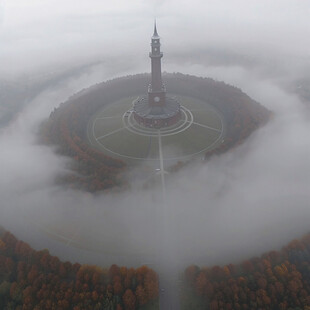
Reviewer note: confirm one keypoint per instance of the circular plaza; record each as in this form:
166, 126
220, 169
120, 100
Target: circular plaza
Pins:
115, 131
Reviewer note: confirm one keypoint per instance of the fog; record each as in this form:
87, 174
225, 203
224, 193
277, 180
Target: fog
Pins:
252, 199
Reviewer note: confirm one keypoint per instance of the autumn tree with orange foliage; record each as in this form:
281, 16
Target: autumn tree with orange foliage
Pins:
277, 280
32, 279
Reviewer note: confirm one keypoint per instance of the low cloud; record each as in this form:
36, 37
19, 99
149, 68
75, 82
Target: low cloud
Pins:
249, 200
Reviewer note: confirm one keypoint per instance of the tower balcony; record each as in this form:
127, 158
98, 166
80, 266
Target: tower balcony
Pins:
158, 55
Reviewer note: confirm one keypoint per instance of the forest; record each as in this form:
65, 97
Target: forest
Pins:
93, 170
36, 280
278, 280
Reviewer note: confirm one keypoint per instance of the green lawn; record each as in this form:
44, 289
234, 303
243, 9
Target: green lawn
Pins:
107, 133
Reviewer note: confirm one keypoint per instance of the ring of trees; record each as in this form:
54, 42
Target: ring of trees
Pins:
276, 280
93, 170
33, 280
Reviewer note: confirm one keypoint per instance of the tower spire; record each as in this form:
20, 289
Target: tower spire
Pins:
155, 29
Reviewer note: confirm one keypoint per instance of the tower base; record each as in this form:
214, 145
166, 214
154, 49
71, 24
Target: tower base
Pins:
156, 116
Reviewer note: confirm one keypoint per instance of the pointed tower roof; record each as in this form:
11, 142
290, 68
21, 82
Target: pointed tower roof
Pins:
155, 35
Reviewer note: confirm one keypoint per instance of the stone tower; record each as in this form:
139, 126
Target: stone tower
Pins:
156, 110
156, 91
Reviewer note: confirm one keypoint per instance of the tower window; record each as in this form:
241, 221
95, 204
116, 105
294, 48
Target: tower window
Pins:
155, 49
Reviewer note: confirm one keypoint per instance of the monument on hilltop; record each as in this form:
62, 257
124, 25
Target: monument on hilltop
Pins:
156, 110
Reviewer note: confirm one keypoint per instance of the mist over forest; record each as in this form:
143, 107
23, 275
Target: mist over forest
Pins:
242, 203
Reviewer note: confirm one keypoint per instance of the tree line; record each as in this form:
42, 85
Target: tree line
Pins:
95, 171
36, 280
278, 280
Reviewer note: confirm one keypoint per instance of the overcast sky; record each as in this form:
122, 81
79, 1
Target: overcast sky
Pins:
250, 200
51, 33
